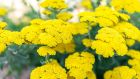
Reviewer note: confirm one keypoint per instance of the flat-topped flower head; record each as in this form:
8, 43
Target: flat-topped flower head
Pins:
51, 70
104, 16
121, 72
82, 64
107, 41
128, 30
3, 11
130, 6
55, 4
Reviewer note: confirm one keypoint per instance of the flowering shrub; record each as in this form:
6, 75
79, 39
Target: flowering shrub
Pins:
102, 44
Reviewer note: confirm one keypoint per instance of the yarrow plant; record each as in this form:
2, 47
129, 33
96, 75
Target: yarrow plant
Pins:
100, 45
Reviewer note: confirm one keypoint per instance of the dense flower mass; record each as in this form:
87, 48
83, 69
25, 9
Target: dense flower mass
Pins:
81, 66
130, 6
51, 70
50, 33
99, 43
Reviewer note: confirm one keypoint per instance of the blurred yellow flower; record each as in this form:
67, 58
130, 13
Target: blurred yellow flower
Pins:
55, 4
3, 11
65, 16
87, 4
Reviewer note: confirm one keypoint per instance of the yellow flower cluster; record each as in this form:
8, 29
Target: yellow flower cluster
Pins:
79, 28
52, 33
44, 51
55, 34
55, 4
7, 37
87, 42
107, 41
104, 16
87, 4
135, 61
130, 6
117, 31
2, 25
65, 16
46, 12
130, 42
51, 70
62, 48
134, 54
49, 32
3, 11
80, 65
121, 72
128, 30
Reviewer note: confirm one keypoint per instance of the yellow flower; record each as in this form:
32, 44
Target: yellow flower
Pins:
59, 30
16, 38
49, 32
47, 12
87, 42
130, 42
135, 61
107, 41
51, 70
79, 28
68, 48
3, 11
6, 37
47, 39
128, 30
37, 21
44, 51
82, 64
87, 4
31, 34
65, 16
121, 72
134, 54
91, 75
102, 48
104, 16
130, 6
87, 17
2, 47
56, 4
3, 25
